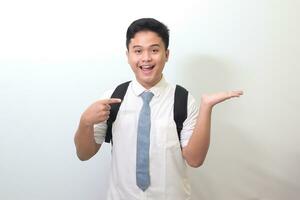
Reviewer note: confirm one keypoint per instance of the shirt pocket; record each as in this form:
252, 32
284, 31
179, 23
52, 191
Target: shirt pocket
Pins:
166, 134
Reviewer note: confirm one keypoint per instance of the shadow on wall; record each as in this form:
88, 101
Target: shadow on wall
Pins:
238, 167
235, 167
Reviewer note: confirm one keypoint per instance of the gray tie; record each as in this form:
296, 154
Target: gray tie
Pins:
143, 142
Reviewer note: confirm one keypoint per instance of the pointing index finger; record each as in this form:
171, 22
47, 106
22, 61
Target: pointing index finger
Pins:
113, 101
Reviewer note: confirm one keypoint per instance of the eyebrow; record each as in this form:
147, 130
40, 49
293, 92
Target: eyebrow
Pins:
153, 45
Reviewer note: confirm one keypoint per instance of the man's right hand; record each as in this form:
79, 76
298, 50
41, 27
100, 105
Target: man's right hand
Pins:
97, 112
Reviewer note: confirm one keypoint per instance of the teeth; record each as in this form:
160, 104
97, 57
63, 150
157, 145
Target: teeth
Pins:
146, 66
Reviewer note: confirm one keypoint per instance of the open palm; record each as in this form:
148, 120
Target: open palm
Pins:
213, 99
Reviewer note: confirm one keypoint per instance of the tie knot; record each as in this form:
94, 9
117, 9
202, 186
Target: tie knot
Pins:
147, 96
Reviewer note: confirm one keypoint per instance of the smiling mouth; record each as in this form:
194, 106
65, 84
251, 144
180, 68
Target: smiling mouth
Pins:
146, 67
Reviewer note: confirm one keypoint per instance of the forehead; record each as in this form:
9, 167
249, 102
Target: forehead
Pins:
145, 38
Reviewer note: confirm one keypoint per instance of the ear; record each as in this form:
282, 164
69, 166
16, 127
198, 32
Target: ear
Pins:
127, 54
167, 54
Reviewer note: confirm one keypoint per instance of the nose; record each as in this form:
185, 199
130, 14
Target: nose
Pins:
146, 57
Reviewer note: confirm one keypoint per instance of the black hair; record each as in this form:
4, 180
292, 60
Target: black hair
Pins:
148, 24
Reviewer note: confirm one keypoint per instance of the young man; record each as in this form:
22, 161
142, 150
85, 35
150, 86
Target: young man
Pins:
159, 172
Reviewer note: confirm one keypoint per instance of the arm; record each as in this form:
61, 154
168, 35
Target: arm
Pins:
196, 150
86, 146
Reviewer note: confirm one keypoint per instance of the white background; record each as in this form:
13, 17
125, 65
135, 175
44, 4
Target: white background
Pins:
57, 57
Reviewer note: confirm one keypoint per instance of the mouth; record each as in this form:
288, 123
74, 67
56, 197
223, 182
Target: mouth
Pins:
146, 68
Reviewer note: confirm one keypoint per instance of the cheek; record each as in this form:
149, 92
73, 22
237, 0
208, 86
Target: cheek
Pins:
161, 60
133, 60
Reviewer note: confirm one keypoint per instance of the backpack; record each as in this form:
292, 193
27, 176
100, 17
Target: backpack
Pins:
180, 108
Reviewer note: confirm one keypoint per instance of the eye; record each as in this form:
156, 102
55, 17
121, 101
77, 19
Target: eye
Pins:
137, 51
155, 50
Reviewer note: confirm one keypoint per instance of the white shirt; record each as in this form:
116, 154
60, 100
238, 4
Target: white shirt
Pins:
167, 166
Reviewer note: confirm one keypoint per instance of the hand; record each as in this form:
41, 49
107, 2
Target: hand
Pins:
216, 98
98, 111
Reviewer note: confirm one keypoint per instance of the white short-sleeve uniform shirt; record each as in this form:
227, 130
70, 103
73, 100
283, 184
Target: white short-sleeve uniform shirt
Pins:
168, 175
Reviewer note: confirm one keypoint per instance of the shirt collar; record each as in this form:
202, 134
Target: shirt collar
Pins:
157, 89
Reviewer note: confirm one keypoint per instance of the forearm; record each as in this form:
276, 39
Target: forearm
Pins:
196, 150
86, 146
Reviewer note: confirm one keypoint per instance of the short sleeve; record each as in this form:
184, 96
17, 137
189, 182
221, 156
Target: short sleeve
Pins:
190, 122
100, 129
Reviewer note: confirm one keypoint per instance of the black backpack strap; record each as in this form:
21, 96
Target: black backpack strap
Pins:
180, 108
119, 93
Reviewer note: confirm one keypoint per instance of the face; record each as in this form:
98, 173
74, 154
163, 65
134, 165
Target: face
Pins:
147, 57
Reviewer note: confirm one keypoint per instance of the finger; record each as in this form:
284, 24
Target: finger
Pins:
107, 113
111, 101
114, 100
239, 92
107, 107
106, 117
103, 114
103, 106
236, 93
